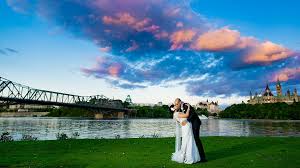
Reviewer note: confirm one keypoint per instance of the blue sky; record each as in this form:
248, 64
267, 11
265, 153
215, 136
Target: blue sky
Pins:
153, 50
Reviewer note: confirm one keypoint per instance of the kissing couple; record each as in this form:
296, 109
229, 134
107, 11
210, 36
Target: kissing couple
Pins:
188, 146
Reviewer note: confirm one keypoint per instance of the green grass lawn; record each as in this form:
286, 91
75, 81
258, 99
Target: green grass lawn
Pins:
221, 152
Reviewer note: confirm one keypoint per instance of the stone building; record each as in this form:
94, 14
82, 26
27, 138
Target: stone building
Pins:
211, 107
268, 97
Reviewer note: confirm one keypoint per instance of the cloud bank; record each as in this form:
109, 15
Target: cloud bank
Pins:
156, 42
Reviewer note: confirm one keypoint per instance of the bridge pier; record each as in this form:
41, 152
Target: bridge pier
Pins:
99, 116
118, 115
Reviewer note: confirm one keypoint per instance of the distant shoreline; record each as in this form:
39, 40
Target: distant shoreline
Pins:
74, 117
23, 114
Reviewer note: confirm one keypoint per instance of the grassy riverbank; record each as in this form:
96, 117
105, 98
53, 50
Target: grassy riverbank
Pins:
221, 152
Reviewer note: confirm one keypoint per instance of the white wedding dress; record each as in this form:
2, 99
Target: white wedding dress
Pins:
186, 150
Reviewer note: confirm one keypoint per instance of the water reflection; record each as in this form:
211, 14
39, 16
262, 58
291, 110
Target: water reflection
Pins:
47, 128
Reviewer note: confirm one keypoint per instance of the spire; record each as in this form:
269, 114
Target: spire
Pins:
267, 88
267, 91
128, 99
288, 93
278, 82
278, 88
295, 92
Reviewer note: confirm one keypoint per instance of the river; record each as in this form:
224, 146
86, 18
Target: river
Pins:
46, 128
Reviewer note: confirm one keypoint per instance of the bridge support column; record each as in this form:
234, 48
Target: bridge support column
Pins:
120, 114
99, 116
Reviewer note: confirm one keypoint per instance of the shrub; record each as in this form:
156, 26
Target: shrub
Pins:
61, 136
117, 136
6, 137
28, 138
155, 135
75, 135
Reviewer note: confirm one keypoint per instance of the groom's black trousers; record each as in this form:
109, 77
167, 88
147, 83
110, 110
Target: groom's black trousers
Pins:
196, 131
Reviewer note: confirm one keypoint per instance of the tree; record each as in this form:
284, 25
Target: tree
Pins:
263, 111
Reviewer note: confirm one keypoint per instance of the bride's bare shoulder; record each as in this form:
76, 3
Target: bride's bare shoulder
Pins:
179, 112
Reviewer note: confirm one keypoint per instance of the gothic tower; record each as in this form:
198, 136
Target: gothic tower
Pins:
288, 93
128, 99
278, 88
295, 94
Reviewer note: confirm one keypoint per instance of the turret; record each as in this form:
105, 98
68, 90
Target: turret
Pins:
278, 88
295, 92
288, 93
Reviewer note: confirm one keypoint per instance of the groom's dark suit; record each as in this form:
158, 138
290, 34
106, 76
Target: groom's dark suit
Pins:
196, 122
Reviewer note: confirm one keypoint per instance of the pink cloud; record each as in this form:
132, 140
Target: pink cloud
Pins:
114, 69
105, 49
131, 21
152, 28
162, 35
225, 39
181, 37
121, 18
286, 74
133, 47
173, 12
104, 67
267, 52
97, 67
179, 24
217, 40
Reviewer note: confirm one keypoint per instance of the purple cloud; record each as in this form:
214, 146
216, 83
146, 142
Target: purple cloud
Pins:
150, 42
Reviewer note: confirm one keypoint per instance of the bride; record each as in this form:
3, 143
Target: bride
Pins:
186, 150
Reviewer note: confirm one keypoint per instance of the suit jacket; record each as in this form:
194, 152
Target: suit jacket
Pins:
193, 115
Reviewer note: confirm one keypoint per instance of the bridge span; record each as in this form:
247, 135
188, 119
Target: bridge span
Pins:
12, 92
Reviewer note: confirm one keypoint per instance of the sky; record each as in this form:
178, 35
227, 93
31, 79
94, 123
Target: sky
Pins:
152, 50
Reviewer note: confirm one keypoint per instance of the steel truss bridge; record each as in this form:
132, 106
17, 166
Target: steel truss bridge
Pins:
15, 93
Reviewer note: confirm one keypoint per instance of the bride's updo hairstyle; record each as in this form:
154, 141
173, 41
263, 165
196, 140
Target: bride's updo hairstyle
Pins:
172, 109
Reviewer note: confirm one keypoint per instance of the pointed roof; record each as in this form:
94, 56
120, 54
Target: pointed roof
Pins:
278, 82
267, 87
267, 91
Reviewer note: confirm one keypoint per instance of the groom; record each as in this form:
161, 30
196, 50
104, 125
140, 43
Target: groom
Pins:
195, 121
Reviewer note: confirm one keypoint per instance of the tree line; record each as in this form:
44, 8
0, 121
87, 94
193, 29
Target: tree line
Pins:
158, 112
282, 111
